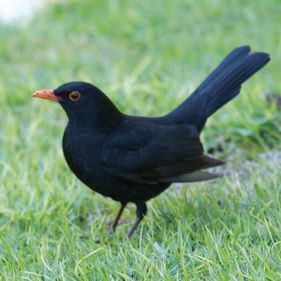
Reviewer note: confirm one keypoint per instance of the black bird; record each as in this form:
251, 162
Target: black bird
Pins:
133, 159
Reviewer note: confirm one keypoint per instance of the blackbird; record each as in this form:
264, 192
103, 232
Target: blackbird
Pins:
133, 159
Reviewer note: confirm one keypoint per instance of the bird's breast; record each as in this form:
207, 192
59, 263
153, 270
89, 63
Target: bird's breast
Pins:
82, 153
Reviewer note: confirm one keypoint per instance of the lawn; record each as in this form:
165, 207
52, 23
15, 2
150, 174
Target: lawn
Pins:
148, 56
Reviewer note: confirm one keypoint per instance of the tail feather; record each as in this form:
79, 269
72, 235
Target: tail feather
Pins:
229, 61
221, 86
193, 177
228, 85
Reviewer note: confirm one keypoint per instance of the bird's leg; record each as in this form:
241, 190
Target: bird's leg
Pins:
141, 212
123, 205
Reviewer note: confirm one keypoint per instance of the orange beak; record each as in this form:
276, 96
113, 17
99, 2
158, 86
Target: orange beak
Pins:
47, 94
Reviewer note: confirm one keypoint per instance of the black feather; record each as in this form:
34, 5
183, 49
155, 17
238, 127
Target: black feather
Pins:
221, 86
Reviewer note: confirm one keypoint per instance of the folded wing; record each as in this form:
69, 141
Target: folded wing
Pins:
156, 153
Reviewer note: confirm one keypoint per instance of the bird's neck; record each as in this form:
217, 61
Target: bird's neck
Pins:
103, 120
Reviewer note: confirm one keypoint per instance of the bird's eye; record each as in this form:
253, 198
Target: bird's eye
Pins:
74, 96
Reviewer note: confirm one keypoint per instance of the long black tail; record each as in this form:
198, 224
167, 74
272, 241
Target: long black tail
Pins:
221, 86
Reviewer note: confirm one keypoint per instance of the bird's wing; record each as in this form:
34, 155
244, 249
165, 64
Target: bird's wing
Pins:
155, 153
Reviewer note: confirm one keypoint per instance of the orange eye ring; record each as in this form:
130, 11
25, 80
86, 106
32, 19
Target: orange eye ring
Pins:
74, 96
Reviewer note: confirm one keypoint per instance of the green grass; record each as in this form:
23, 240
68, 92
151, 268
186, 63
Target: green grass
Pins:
148, 57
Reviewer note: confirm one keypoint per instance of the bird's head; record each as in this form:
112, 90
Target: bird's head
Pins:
81, 101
